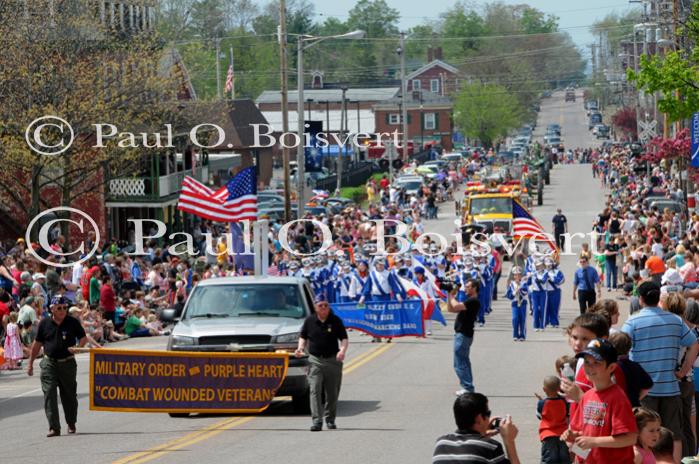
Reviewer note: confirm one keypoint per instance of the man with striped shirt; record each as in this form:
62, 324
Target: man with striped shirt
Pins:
657, 336
472, 442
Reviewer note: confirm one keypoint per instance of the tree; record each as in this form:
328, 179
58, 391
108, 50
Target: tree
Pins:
486, 112
208, 20
375, 17
88, 74
625, 120
239, 14
675, 76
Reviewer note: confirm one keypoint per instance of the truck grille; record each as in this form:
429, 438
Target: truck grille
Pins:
239, 339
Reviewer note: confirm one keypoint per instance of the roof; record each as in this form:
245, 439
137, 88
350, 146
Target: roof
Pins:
431, 65
366, 120
233, 116
330, 95
429, 100
262, 280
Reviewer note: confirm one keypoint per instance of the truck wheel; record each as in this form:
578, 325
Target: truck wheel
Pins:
178, 414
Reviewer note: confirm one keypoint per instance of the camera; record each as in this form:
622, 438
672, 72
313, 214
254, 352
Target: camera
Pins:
495, 424
447, 285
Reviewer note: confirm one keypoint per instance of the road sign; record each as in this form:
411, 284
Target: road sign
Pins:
695, 140
647, 130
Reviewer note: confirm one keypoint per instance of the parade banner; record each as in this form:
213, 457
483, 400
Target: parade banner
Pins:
695, 141
383, 318
167, 381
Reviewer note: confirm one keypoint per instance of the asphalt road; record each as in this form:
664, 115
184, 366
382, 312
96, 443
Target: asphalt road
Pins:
396, 398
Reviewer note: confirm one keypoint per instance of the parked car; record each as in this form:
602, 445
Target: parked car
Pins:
672, 205
243, 314
337, 204
452, 157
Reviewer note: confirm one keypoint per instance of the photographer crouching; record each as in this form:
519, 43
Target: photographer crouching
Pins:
472, 440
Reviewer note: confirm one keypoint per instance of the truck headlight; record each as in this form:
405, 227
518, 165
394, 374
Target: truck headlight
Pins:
179, 340
287, 338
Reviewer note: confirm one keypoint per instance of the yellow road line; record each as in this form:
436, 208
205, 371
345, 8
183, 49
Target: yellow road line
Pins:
193, 440
227, 424
366, 359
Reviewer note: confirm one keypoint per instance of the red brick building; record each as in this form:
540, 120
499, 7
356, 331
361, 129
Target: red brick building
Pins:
429, 118
436, 76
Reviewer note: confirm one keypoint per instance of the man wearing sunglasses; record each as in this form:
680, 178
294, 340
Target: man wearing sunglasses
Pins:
472, 441
58, 335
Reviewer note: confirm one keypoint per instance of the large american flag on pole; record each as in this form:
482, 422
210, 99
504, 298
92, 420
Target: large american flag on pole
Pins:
235, 202
524, 225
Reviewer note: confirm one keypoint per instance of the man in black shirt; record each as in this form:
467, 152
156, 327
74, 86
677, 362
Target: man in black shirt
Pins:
320, 333
463, 333
560, 227
58, 335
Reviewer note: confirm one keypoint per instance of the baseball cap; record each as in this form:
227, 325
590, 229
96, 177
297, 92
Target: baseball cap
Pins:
601, 350
320, 298
60, 300
649, 288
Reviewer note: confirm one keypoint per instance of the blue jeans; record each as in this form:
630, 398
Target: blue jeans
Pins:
462, 362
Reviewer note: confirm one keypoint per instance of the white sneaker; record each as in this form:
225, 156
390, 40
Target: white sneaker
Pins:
460, 392
429, 332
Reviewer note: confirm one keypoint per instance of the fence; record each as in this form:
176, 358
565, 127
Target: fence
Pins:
353, 175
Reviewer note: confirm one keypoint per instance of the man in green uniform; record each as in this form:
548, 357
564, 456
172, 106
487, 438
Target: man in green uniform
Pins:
58, 335
321, 332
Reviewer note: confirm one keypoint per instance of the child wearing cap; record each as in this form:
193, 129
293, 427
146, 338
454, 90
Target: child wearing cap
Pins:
602, 427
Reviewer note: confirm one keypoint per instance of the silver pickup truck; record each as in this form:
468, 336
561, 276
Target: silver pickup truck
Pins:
248, 314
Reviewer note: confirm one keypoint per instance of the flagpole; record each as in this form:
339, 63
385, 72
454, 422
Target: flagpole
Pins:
233, 73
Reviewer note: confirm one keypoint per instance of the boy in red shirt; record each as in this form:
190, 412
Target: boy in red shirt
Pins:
602, 427
553, 413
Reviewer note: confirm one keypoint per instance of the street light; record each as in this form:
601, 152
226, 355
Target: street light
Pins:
305, 42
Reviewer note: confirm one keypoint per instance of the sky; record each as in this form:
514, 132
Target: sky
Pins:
574, 17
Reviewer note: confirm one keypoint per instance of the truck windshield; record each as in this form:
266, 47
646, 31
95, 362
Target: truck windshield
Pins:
491, 206
278, 300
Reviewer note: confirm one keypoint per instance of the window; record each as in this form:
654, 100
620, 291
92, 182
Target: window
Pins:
394, 119
417, 84
434, 85
430, 121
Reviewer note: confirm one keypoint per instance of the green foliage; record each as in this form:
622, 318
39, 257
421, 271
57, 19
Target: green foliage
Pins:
356, 194
207, 19
472, 38
675, 76
487, 112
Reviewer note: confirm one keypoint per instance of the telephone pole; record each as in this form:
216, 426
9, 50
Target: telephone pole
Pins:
218, 68
404, 90
285, 113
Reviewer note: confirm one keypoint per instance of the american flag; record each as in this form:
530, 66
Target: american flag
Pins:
524, 225
229, 79
235, 202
